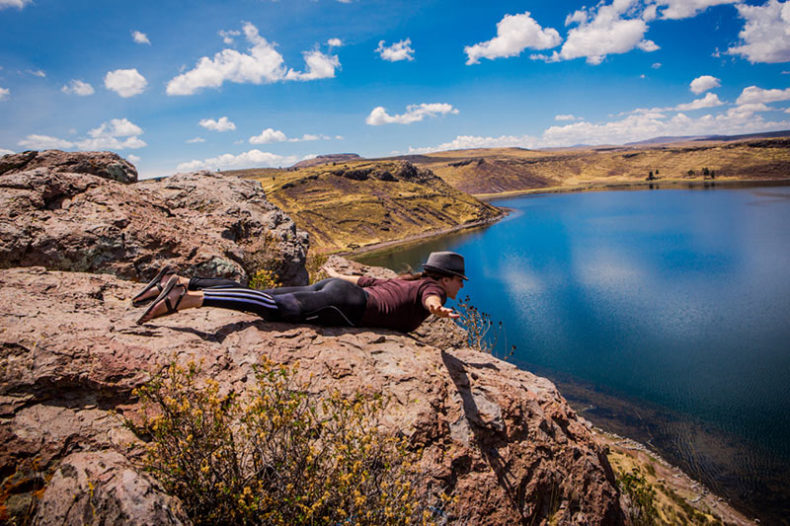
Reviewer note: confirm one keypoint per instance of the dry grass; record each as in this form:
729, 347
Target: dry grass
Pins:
354, 204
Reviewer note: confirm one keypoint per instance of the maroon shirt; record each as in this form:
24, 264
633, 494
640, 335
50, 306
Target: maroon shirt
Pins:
398, 303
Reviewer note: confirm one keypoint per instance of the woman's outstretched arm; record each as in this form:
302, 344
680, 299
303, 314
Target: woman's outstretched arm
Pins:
434, 305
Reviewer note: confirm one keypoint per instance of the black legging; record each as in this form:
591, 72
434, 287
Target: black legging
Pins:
331, 301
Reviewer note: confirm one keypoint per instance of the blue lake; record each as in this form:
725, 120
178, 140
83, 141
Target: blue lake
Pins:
663, 315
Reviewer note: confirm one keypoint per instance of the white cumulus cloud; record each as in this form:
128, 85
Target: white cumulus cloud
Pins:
250, 159
755, 95
766, 33
140, 38
4, 93
414, 113
268, 135
222, 125
515, 33
3, 151
677, 9
613, 29
78, 87
467, 142
134, 158
14, 3
125, 82
704, 83
401, 50
262, 63
710, 100
44, 142
319, 66
334, 42
116, 134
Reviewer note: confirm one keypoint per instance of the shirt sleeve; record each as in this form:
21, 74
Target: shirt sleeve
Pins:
432, 289
367, 281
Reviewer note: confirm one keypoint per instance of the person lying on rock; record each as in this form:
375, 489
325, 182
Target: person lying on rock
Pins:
402, 303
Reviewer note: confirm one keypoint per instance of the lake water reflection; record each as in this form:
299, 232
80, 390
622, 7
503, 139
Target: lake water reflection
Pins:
674, 303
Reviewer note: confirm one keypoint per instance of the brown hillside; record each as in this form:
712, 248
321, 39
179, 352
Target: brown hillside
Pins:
362, 203
483, 172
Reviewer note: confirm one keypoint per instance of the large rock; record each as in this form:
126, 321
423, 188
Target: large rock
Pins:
500, 439
201, 223
104, 164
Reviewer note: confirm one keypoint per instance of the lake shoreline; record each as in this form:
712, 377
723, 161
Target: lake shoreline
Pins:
658, 184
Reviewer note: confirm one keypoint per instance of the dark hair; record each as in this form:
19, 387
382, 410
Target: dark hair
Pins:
411, 276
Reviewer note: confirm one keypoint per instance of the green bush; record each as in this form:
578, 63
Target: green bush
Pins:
280, 456
642, 495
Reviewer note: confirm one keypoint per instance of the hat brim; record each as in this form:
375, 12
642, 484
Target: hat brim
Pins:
444, 272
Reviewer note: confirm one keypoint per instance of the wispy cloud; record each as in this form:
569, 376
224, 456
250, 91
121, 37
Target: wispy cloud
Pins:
398, 51
140, 37
222, 125
78, 87
40, 73
262, 64
125, 82
250, 159
195, 140
710, 100
4, 93
270, 135
228, 37
515, 33
14, 3
566, 117
678, 9
414, 113
115, 134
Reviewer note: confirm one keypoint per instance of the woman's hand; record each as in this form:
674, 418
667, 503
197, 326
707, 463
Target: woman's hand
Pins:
435, 307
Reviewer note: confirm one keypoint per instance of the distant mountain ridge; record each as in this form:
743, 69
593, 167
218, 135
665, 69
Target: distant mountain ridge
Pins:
326, 159
687, 138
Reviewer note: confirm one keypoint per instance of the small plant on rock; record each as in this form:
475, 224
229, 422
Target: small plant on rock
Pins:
481, 332
264, 279
280, 456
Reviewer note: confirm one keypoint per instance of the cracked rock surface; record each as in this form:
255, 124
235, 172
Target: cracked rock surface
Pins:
203, 223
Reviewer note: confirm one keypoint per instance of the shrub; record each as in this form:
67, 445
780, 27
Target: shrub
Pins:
264, 279
642, 511
281, 456
481, 333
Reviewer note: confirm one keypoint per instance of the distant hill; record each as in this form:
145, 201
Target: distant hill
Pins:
724, 138
493, 172
360, 203
326, 159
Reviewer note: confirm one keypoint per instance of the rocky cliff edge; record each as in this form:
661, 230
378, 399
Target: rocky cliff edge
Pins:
500, 439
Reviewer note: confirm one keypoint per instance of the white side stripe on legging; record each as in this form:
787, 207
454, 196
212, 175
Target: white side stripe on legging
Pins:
255, 297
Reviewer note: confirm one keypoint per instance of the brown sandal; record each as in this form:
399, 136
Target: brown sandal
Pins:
138, 299
164, 296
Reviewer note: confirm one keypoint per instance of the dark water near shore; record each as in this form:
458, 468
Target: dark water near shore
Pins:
663, 315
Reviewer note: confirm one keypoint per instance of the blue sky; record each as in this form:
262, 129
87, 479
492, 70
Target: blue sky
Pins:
178, 86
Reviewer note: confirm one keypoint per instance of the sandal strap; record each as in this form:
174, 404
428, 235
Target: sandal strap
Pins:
174, 308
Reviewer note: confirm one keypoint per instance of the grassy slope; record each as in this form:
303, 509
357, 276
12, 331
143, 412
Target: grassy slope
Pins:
354, 204
513, 170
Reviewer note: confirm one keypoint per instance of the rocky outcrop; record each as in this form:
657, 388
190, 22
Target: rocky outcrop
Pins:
500, 439
104, 164
202, 223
